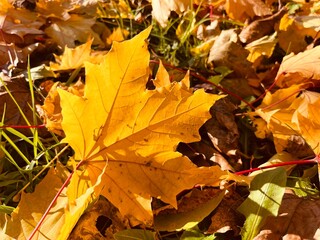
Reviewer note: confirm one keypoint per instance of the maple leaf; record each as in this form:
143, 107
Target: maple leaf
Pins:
130, 133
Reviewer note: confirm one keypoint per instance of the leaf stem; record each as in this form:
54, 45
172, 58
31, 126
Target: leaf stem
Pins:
297, 162
50, 206
22, 126
54, 201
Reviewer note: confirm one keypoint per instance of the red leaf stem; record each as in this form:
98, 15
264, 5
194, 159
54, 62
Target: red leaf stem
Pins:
22, 126
53, 202
297, 162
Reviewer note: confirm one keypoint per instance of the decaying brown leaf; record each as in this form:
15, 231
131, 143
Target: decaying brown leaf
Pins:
226, 51
298, 218
259, 28
19, 89
101, 221
225, 217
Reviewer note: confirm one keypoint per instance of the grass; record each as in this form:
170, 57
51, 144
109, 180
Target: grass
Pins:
24, 158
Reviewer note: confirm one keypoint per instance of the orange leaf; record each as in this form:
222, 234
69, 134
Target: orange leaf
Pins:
242, 9
289, 113
33, 205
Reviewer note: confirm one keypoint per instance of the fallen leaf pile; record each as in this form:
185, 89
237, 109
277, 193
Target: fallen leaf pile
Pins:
164, 107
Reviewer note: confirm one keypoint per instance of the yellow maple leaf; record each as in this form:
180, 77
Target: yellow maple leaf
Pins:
130, 133
117, 35
73, 58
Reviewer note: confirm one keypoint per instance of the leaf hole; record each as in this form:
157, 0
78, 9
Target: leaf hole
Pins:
102, 224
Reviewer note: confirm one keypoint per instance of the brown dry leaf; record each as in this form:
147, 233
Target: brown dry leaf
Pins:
222, 128
226, 217
11, 55
33, 205
20, 22
75, 28
133, 132
259, 28
20, 91
193, 208
161, 9
298, 218
242, 9
227, 52
300, 68
57, 8
102, 220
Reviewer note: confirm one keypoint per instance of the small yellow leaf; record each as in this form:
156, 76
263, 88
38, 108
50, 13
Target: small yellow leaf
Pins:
75, 58
162, 78
261, 47
117, 35
292, 33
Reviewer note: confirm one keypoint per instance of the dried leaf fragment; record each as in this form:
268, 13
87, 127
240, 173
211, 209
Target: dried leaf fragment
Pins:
297, 219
